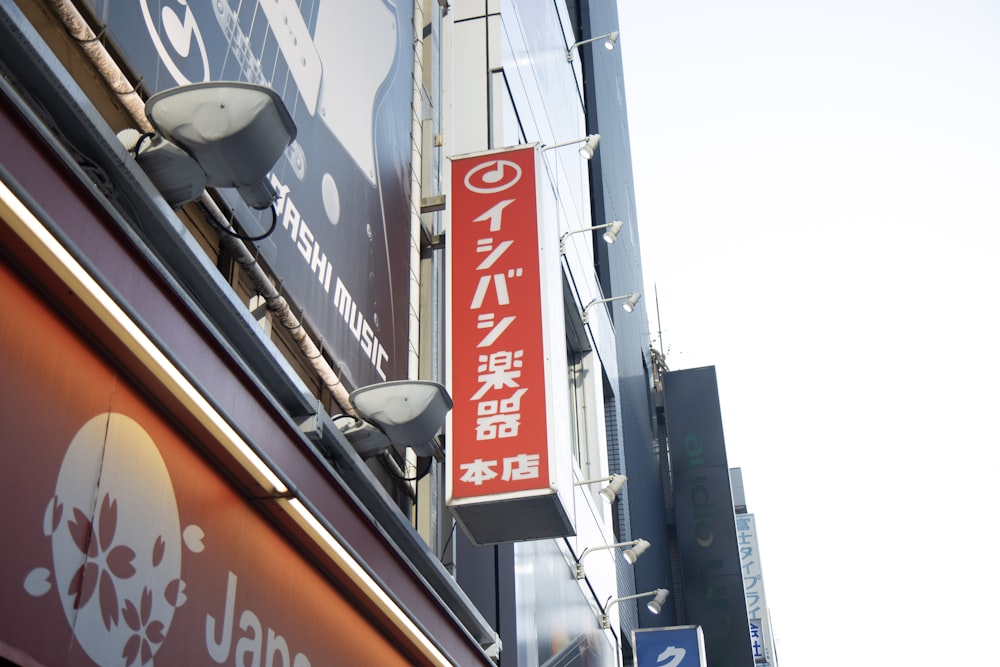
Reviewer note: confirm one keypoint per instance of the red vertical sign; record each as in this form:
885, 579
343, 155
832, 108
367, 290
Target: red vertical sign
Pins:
499, 442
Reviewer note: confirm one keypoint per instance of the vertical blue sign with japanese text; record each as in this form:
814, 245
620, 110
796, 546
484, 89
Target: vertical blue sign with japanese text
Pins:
679, 646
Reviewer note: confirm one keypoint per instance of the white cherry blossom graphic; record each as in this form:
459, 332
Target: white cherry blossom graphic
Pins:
116, 543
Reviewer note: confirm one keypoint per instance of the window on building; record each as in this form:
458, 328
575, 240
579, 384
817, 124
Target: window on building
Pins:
576, 375
585, 403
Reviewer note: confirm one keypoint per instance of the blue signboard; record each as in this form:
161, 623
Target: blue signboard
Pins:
679, 646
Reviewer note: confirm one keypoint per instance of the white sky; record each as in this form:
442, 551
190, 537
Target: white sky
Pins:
818, 186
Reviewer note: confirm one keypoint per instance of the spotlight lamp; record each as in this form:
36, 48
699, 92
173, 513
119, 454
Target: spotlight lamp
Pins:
610, 39
631, 302
632, 555
609, 492
636, 549
655, 606
630, 299
586, 151
609, 236
407, 413
588, 148
223, 134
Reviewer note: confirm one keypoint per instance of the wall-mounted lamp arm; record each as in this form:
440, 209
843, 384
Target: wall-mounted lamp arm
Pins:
654, 606
609, 492
631, 300
609, 236
407, 413
586, 151
609, 43
636, 547
595, 480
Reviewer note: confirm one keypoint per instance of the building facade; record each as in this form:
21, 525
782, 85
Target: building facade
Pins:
196, 477
184, 494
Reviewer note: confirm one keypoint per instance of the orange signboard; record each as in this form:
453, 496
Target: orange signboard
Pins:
124, 543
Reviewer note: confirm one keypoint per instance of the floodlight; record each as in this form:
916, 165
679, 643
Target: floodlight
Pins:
586, 151
366, 438
630, 304
637, 547
408, 413
655, 605
630, 299
613, 228
588, 148
609, 236
176, 175
233, 131
609, 43
632, 555
609, 492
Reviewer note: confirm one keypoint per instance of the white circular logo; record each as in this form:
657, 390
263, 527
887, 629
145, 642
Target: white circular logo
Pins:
493, 176
179, 33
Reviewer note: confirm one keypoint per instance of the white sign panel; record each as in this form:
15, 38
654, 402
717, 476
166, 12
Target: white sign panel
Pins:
753, 585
